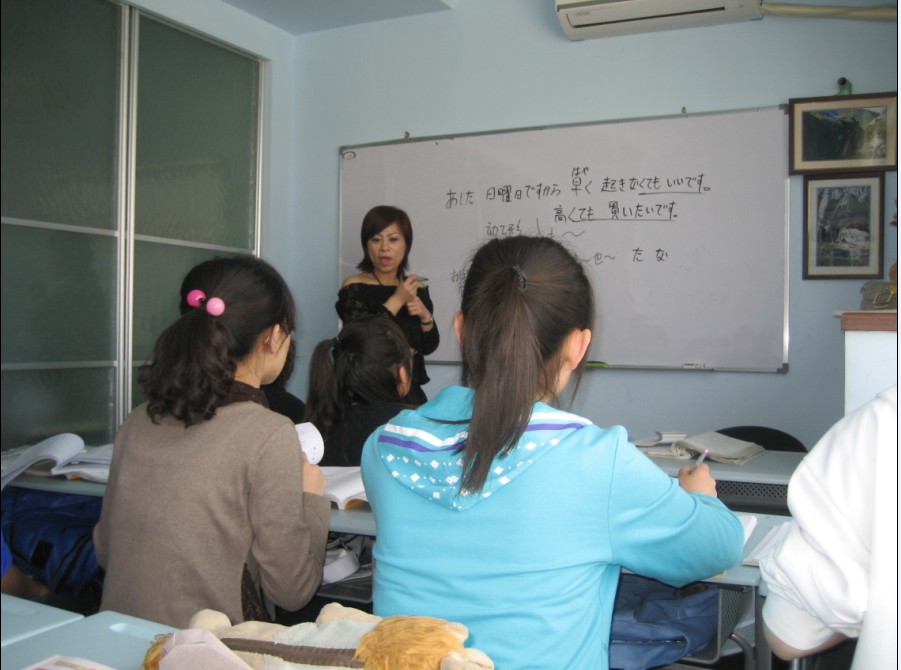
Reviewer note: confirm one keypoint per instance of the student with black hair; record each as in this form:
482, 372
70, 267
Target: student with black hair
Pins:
210, 502
358, 381
277, 395
513, 517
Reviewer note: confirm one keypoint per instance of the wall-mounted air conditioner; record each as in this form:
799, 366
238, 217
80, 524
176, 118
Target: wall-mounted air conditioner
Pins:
585, 19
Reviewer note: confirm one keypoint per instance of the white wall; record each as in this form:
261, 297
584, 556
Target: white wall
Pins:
494, 64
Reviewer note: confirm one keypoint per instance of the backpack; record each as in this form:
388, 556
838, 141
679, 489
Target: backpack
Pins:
655, 624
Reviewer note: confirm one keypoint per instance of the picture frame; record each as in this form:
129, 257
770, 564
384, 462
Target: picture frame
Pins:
843, 218
843, 133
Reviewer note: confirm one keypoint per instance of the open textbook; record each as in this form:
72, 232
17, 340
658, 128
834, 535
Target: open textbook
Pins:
63, 454
774, 537
748, 524
721, 448
344, 486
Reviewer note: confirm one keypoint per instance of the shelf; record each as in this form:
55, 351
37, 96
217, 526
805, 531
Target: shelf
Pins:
870, 320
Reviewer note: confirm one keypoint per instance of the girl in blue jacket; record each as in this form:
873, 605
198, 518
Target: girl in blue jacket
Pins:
497, 510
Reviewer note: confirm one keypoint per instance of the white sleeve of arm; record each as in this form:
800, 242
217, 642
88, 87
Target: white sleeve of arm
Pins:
820, 578
811, 594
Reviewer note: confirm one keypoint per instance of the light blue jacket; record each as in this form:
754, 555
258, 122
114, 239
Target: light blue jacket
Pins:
531, 563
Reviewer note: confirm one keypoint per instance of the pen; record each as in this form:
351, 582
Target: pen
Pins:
702, 457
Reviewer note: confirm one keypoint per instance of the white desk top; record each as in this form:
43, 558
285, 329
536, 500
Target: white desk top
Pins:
771, 467
59, 485
24, 618
113, 639
356, 521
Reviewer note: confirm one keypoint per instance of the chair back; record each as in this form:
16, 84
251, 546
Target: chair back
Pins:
768, 438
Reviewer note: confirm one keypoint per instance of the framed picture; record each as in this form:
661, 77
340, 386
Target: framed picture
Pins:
843, 226
843, 133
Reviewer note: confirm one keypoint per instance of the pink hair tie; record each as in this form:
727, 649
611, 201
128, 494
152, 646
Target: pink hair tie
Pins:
213, 306
195, 298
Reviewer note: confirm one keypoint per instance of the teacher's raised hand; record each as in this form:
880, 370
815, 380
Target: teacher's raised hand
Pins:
405, 292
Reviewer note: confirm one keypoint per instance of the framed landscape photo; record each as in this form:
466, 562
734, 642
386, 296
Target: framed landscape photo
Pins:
843, 226
843, 133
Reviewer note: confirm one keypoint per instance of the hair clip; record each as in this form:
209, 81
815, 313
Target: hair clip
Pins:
213, 306
522, 278
336, 348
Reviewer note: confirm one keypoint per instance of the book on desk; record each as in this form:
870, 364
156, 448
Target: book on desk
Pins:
718, 447
61, 455
344, 486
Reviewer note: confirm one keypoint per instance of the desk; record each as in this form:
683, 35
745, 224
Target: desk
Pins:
773, 468
744, 574
354, 521
758, 486
114, 639
24, 618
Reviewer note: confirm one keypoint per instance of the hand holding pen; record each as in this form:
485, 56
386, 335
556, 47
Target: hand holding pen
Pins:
697, 478
701, 458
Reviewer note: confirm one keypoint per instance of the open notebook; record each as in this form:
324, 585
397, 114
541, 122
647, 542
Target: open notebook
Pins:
721, 448
748, 523
771, 539
344, 486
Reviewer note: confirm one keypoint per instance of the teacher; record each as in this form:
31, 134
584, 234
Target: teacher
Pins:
383, 288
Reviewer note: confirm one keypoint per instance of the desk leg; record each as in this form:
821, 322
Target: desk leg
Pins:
762, 652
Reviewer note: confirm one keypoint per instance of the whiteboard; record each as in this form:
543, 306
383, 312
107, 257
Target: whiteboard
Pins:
681, 222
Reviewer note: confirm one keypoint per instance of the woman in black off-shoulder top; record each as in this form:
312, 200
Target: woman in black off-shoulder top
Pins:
383, 288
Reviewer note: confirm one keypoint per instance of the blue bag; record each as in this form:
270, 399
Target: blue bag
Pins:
655, 624
51, 537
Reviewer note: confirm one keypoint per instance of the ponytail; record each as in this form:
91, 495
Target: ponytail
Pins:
226, 304
359, 366
522, 297
323, 409
188, 377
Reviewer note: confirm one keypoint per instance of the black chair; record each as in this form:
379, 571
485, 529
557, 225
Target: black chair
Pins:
768, 438
836, 658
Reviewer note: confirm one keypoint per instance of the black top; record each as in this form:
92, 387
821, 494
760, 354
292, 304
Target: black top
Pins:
357, 300
344, 444
284, 402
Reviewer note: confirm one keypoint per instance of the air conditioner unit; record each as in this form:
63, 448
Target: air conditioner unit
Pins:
586, 19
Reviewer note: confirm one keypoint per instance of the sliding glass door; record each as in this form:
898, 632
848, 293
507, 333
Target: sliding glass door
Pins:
130, 152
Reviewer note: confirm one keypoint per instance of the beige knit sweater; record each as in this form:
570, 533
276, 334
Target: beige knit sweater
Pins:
186, 508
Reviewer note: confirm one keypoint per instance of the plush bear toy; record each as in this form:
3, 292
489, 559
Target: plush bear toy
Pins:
341, 637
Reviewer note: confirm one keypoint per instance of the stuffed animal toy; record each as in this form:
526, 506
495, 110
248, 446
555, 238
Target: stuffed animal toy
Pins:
341, 637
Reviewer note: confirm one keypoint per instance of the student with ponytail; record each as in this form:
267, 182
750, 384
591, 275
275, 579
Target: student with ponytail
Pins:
500, 511
210, 502
358, 381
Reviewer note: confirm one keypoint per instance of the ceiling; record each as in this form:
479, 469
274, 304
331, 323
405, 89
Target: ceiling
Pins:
306, 16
